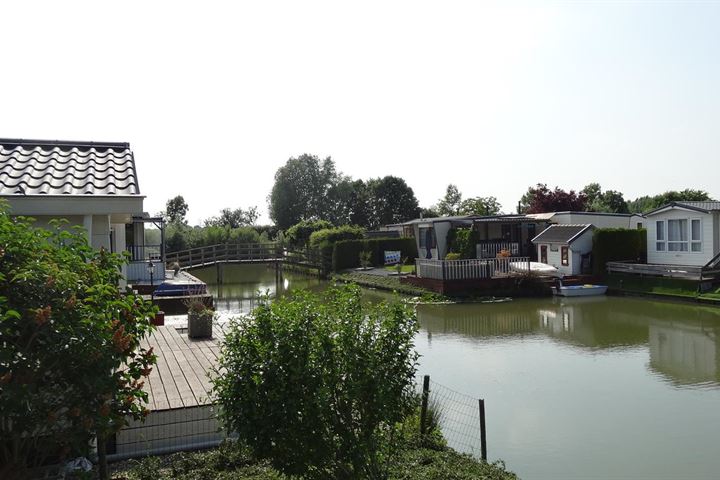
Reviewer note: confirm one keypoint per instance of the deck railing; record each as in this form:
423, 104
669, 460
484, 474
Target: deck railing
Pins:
490, 249
471, 269
689, 272
145, 252
211, 254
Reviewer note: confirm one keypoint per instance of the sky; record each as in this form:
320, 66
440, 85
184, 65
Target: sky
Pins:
494, 97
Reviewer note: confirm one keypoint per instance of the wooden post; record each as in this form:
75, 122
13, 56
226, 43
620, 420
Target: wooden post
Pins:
102, 457
424, 405
483, 438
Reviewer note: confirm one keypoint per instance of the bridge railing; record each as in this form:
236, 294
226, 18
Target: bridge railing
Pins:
226, 252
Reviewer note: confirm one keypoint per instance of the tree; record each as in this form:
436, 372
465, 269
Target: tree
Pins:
592, 192
480, 206
319, 385
392, 201
300, 190
450, 204
647, 203
71, 365
540, 199
609, 201
348, 203
233, 218
429, 212
175, 210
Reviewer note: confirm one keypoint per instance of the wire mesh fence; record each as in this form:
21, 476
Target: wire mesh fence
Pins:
460, 417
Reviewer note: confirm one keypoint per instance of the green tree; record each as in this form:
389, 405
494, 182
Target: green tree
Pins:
300, 190
176, 209
319, 385
647, 203
480, 206
592, 192
392, 201
348, 203
299, 234
451, 203
71, 365
609, 201
233, 218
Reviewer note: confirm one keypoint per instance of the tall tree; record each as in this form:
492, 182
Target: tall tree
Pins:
233, 218
175, 210
647, 203
540, 199
301, 189
348, 203
392, 201
480, 206
450, 204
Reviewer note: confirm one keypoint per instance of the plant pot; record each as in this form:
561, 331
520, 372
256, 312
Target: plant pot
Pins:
159, 319
200, 324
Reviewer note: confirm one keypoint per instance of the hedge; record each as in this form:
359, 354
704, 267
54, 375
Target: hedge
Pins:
463, 241
333, 235
346, 253
617, 244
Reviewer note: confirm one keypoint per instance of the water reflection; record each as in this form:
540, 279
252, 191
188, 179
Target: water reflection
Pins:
683, 341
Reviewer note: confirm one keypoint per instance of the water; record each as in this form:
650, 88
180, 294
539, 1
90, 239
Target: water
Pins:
575, 388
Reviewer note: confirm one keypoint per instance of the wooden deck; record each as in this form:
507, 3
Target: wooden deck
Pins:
180, 377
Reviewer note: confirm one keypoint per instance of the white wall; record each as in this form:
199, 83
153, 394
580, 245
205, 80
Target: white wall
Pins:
578, 248
681, 258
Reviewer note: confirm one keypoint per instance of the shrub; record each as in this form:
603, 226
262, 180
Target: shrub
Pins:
346, 253
616, 244
299, 234
463, 241
452, 256
328, 236
318, 385
70, 363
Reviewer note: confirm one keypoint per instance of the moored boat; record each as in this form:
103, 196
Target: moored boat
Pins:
579, 290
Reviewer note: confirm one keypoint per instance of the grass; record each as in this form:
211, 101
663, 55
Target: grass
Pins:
382, 283
405, 268
671, 287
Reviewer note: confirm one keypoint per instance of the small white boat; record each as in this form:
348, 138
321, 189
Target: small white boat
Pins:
579, 290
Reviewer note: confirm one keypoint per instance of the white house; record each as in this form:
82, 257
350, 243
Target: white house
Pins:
91, 184
684, 233
565, 247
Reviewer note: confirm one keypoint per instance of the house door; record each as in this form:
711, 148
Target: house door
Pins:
543, 253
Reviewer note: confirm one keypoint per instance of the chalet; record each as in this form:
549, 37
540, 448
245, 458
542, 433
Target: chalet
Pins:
93, 185
566, 247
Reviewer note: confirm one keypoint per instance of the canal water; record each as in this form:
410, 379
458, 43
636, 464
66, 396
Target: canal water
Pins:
601, 387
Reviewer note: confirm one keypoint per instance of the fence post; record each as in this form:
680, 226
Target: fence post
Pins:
483, 438
424, 405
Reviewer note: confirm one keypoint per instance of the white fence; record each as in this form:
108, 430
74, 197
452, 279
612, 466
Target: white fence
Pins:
491, 249
471, 269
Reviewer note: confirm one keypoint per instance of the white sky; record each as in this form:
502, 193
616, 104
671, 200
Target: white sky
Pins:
493, 97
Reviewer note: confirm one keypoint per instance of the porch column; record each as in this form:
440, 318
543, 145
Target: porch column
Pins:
87, 224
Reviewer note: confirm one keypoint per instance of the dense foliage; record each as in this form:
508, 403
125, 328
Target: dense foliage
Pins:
329, 236
346, 253
180, 237
647, 203
540, 199
299, 234
616, 244
71, 365
317, 385
463, 241
454, 204
175, 210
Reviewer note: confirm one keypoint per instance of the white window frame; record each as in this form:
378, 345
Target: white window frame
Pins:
691, 240
662, 236
678, 243
660, 243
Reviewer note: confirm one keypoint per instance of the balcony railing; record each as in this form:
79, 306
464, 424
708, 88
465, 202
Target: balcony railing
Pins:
491, 249
145, 252
471, 269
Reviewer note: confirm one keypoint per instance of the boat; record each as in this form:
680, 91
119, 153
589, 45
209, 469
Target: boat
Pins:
587, 290
534, 267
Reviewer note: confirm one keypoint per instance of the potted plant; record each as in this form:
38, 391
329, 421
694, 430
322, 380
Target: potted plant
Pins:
365, 260
200, 319
175, 267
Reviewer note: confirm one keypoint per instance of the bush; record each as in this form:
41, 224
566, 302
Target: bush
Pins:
318, 385
346, 253
181, 237
299, 234
463, 241
329, 236
617, 244
70, 363
452, 256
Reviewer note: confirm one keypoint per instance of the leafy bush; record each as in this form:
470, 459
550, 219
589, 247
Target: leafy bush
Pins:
70, 363
299, 234
317, 385
329, 236
463, 241
452, 256
181, 237
346, 253
615, 244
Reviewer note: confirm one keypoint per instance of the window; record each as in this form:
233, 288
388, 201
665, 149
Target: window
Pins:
639, 225
677, 235
426, 233
660, 236
564, 256
695, 235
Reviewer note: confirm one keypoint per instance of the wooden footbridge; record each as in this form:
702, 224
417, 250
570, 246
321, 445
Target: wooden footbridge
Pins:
247, 253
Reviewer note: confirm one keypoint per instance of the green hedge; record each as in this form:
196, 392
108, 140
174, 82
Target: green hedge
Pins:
333, 235
616, 244
346, 253
463, 241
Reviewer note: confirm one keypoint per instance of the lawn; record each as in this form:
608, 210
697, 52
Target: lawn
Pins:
405, 268
672, 287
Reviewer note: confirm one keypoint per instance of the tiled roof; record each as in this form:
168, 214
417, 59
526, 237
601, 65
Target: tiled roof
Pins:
561, 233
36, 167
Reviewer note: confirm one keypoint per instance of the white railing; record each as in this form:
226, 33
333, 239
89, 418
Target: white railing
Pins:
491, 249
471, 269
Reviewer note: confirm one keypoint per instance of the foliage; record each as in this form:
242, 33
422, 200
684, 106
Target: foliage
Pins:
480, 206
331, 235
317, 385
541, 199
346, 253
614, 244
365, 259
181, 237
175, 210
388, 283
301, 189
463, 241
449, 205
349, 203
71, 363
609, 201
391, 201
299, 234
647, 203
453, 256
429, 212
234, 218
